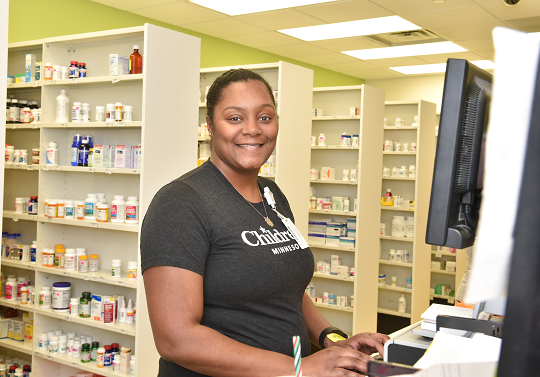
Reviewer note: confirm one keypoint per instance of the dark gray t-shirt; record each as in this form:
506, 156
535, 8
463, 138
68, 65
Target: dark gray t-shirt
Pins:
254, 275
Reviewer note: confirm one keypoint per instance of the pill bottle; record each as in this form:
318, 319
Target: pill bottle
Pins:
74, 306
80, 210
102, 213
57, 75
69, 209
62, 343
82, 69
33, 205
85, 112
10, 151
24, 295
100, 358
73, 69
70, 258
76, 112
83, 264
45, 298
118, 209
59, 258
84, 152
48, 74
100, 113
53, 345
322, 140
52, 153
61, 209
119, 110
52, 209
90, 207
76, 349
61, 296
132, 270
11, 289
79, 251
108, 356
23, 159
128, 113
84, 305
64, 73
132, 210
110, 112
69, 347
93, 351
93, 263
116, 271
48, 257
43, 343
85, 353
19, 205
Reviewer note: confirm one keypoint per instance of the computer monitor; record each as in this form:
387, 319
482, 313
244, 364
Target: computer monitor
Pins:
458, 170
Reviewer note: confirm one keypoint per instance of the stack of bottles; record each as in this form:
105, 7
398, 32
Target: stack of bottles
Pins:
332, 233
329, 298
334, 267
17, 289
95, 208
19, 111
85, 349
15, 366
395, 146
20, 156
401, 172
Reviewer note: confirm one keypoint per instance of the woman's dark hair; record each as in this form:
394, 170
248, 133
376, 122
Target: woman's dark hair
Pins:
229, 77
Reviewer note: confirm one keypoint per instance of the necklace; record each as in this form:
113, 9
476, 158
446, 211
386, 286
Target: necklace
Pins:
266, 218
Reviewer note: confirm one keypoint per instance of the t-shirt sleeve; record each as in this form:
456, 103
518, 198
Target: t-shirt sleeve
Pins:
175, 230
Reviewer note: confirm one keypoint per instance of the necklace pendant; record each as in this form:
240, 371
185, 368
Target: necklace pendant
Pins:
268, 221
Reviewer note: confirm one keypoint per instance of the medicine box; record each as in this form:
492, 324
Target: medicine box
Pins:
28, 334
328, 173
337, 203
351, 233
18, 330
125, 358
451, 266
101, 156
122, 156
317, 226
30, 67
316, 238
96, 308
346, 242
4, 324
332, 240
137, 157
351, 223
354, 111
28, 317
334, 228
10, 328
344, 271
437, 265
38, 71
118, 65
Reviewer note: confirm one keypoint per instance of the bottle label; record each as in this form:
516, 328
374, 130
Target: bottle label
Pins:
131, 212
107, 359
74, 156
9, 292
84, 310
89, 209
69, 211
32, 254
114, 211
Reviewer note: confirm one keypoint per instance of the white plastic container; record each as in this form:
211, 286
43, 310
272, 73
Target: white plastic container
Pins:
76, 112
118, 209
11, 289
61, 295
322, 140
45, 298
69, 209
62, 343
132, 270
128, 113
100, 113
102, 213
90, 204
52, 153
402, 304
116, 271
398, 226
74, 306
70, 261
409, 227
412, 171
132, 210
85, 112
10, 152
62, 108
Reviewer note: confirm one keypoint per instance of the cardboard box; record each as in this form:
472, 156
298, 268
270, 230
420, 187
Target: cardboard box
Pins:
346, 242
451, 266
334, 228
101, 156
37, 71
316, 238
137, 157
4, 324
18, 330
354, 111
437, 265
337, 203
332, 240
344, 271
96, 307
351, 223
328, 173
318, 226
122, 156
118, 65
30, 67
125, 358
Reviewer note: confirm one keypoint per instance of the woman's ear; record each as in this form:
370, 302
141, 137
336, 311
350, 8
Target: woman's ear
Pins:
209, 125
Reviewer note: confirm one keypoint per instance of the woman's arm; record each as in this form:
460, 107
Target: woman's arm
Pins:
180, 337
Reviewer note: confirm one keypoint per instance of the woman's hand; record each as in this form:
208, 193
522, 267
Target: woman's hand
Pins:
366, 342
335, 361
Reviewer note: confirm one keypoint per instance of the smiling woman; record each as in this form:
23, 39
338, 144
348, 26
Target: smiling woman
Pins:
235, 271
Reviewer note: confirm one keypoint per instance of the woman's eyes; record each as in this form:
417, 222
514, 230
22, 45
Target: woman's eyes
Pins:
264, 118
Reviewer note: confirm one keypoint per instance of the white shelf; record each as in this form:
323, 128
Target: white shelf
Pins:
202, 104
15, 346
16, 305
102, 276
121, 328
33, 84
273, 175
443, 253
442, 272
397, 289
401, 153
333, 277
400, 128
337, 117
334, 182
400, 209
393, 312
22, 167
17, 216
401, 239
330, 212
327, 247
94, 80
22, 126
76, 363
399, 179
18, 264
86, 169
335, 147
69, 125
91, 224
334, 307
401, 264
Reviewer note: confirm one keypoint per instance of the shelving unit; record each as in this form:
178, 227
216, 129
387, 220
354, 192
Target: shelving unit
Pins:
367, 157
294, 85
108, 240
418, 189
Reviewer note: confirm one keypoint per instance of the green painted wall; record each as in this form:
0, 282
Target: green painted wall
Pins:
63, 17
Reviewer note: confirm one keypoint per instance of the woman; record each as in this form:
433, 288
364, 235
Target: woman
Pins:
222, 301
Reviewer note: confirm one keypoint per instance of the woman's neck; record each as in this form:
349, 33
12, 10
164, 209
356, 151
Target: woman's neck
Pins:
245, 182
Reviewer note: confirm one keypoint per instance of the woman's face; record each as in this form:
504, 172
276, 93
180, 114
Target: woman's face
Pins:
245, 126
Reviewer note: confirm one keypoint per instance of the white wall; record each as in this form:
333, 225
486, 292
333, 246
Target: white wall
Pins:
428, 88
4, 20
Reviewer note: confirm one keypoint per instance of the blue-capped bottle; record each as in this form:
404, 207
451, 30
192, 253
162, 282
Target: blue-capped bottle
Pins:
90, 139
77, 140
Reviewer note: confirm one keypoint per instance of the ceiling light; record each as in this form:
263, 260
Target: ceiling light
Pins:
423, 68
408, 50
484, 64
357, 28
437, 68
237, 7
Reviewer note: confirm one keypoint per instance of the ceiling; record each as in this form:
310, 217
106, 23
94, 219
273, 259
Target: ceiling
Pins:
467, 23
